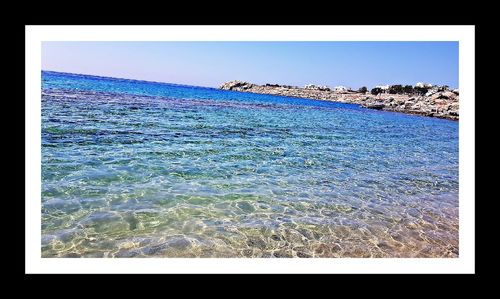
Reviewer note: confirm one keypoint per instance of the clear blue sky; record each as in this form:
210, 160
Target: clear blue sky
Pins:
352, 64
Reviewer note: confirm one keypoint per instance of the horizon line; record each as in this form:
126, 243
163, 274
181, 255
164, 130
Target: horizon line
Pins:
129, 79
216, 87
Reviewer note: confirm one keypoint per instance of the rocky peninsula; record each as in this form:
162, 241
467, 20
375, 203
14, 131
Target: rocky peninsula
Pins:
422, 99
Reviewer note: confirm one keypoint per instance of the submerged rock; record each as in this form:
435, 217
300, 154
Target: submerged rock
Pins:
171, 246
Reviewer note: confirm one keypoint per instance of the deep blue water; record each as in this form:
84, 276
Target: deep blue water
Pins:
134, 168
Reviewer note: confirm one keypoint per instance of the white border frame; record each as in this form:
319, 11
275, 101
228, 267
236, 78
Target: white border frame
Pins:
464, 34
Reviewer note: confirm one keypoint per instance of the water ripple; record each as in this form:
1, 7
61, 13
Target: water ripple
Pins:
187, 172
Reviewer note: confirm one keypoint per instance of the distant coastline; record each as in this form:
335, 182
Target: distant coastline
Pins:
423, 99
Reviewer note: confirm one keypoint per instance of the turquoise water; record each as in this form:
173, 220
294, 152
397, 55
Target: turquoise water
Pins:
144, 169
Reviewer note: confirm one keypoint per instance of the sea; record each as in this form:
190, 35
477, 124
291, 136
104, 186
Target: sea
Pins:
137, 169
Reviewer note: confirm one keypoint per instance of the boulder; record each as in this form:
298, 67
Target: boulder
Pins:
438, 95
408, 104
377, 106
449, 94
431, 92
417, 106
236, 85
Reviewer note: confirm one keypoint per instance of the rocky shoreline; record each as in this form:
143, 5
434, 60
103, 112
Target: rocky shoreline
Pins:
436, 102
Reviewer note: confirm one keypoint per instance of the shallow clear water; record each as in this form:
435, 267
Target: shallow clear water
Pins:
143, 169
